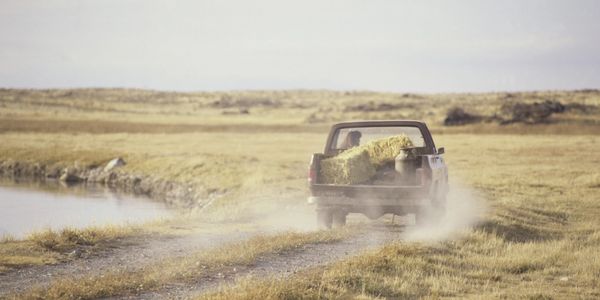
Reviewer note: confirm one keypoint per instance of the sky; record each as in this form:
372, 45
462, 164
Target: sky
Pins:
381, 45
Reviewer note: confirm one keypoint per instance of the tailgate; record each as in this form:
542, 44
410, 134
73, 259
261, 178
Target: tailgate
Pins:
368, 191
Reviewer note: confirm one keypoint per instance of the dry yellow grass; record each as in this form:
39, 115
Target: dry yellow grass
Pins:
68, 238
540, 240
53, 246
16, 254
127, 110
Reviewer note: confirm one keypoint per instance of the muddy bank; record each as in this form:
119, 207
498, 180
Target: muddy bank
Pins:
173, 193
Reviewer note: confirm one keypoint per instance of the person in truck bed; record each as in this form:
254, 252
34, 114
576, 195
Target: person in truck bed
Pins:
352, 140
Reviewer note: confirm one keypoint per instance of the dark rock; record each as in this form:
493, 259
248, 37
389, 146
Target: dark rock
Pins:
69, 175
227, 101
240, 111
537, 112
588, 91
458, 116
70, 178
375, 107
77, 253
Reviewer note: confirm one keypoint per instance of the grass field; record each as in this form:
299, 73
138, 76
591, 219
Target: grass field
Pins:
539, 241
539, 238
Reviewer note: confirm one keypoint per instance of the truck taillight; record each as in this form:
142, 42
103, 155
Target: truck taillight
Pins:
422, 177
312, 175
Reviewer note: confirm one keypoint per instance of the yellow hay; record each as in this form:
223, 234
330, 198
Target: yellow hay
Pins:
385, 150
359, 164
350, 167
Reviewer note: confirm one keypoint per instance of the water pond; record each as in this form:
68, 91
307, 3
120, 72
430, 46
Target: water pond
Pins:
34, 206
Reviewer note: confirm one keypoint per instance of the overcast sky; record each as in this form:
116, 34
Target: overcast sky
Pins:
404, 46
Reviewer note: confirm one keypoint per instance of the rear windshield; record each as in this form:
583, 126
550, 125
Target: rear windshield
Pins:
350, 137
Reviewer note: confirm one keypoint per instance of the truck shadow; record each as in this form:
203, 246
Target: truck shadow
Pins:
524, 224
517, 233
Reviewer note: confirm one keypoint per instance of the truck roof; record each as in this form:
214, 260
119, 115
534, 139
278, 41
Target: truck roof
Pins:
379, 123
430, 145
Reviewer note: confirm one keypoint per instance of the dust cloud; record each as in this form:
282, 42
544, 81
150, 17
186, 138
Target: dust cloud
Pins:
464, 209
300, 218
274, 211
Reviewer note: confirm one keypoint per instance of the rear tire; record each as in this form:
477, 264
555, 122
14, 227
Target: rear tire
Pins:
324, 218
433, 214
339, 219
429, 216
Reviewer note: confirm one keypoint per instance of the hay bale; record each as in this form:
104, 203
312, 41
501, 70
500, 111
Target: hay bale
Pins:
359, 164
385, 150
349, 167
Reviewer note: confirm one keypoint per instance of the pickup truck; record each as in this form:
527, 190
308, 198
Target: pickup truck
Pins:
419, 189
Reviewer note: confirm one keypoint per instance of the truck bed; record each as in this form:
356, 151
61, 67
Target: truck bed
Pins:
397, 188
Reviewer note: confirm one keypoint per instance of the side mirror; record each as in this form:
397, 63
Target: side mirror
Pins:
440, 150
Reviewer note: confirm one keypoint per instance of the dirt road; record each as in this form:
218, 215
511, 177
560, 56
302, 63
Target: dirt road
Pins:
281, 265
133, 255
140, 252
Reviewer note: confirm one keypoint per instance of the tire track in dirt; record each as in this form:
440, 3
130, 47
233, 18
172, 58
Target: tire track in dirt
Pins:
465, 209
281, 265
134, 255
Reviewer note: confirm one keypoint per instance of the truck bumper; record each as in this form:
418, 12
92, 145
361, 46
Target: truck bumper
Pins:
346, 201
